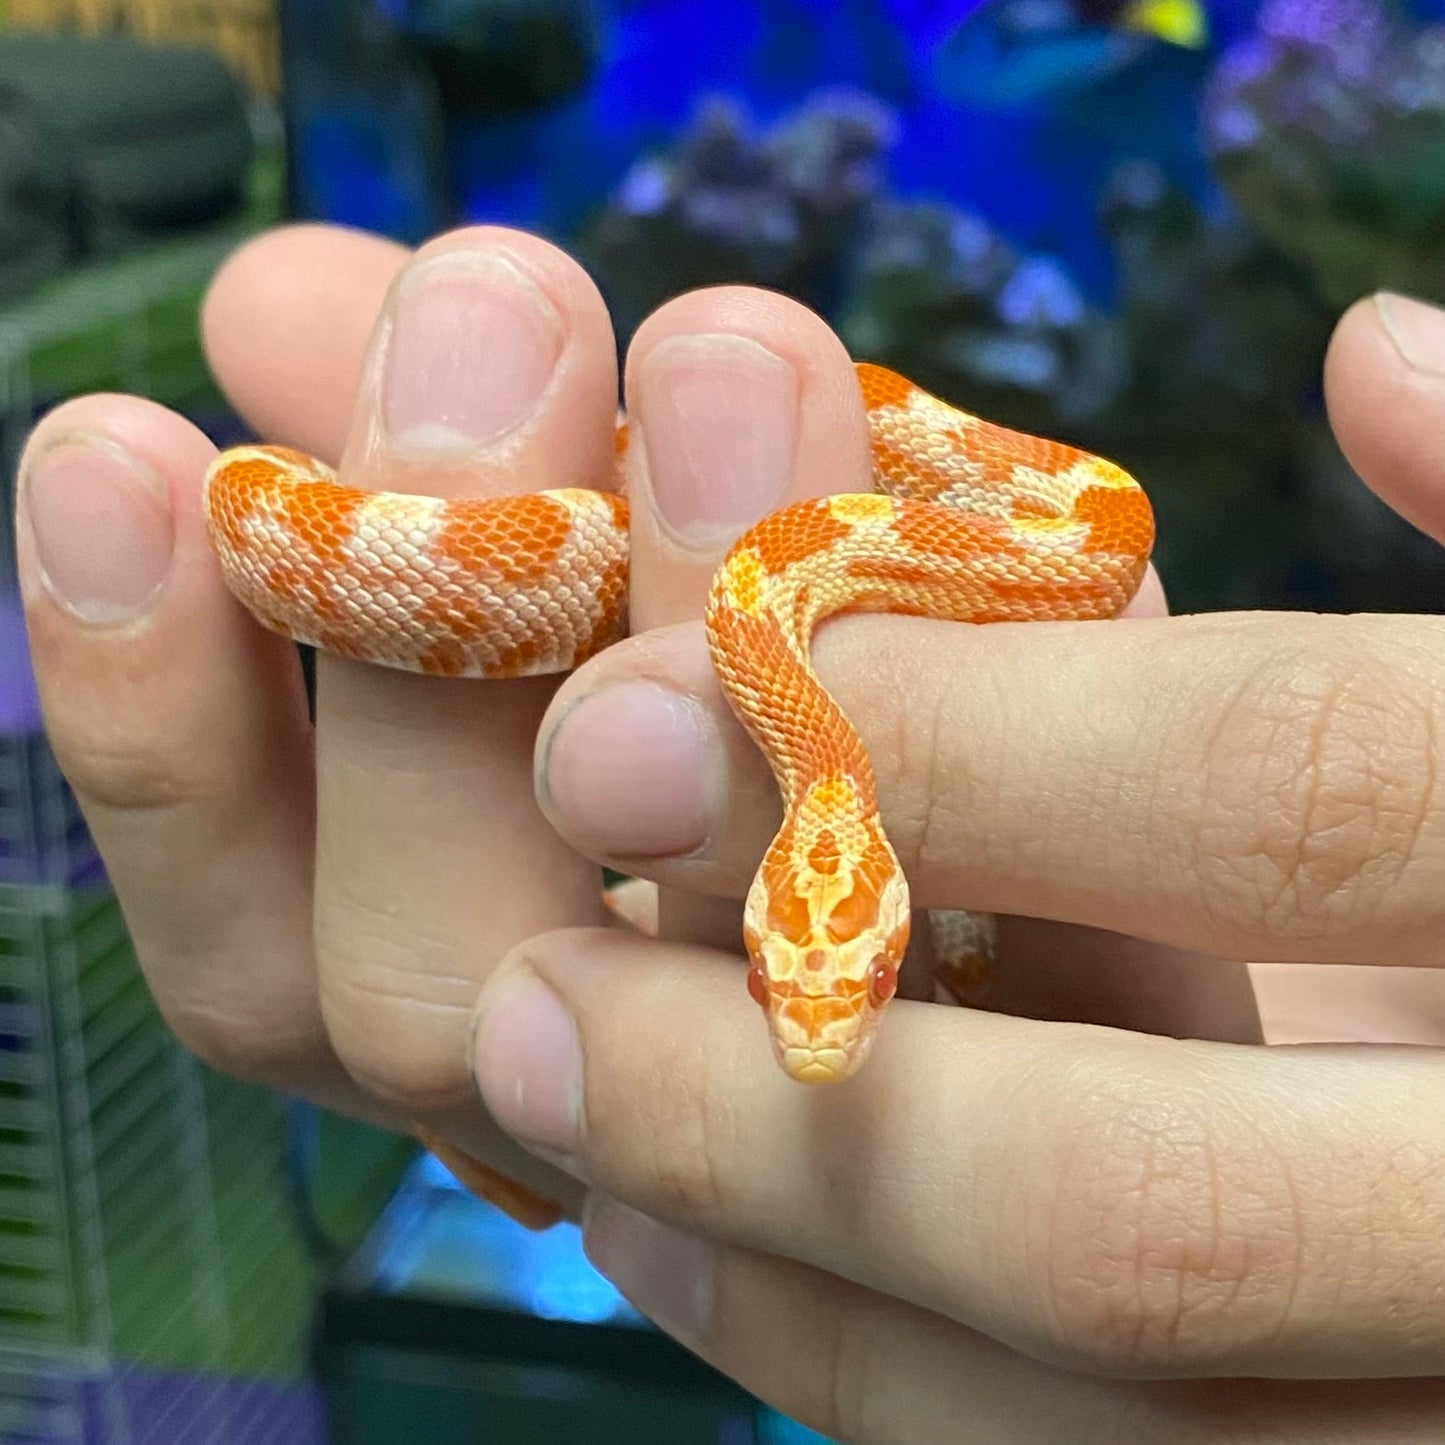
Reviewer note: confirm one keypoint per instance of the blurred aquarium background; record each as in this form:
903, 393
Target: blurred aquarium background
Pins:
1128, 225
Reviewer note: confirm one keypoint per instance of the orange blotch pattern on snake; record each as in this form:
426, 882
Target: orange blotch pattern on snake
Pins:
969, 521
486, 587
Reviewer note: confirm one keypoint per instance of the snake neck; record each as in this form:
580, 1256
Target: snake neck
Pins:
826, 920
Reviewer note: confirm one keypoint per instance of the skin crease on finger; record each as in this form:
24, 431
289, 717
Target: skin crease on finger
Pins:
877, 1370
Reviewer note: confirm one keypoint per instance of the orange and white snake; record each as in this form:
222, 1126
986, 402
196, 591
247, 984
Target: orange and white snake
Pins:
969, 521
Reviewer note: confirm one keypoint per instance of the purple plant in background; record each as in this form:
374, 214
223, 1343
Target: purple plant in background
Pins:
802, 207
1351, 32
940, 296
1201, 371
783, 208
1327, 130
1314, 61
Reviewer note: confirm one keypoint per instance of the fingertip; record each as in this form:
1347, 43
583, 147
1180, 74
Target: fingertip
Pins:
122, 496
1384, 379
527, 1060
740, 401
170, 442
630, 771
285, 324
491, 370
107, 487
559, 275
778, 322
96, 529
641, 765
1354, 328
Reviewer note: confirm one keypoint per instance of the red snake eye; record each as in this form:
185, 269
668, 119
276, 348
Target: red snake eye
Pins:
758, 985
882, 982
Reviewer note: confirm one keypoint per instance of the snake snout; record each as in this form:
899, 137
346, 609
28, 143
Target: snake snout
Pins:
816, 1066
820, 1038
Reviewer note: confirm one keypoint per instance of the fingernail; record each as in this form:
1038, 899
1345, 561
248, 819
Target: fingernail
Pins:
528, 1062
627, 772
472, 346
719, 424
102, 528
667, 1274
1417, 329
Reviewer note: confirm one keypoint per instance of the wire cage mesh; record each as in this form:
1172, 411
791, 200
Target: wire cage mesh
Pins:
154, 1264
60, 1406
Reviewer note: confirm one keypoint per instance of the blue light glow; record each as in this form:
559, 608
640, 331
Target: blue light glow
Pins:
775, 1429
442, 1241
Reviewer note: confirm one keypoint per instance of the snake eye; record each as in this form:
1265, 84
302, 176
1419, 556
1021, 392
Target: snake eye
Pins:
758, 985
882, 982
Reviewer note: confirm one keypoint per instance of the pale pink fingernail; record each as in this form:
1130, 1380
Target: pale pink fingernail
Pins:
102, 528
472, 346
668, 1275
628, 772
1416, 328
528, 1062
719, 422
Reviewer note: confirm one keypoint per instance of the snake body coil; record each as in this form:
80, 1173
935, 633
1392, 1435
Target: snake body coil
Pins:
969, 521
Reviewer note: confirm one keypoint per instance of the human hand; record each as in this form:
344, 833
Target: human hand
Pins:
316, 908
192, 852
1008, 1229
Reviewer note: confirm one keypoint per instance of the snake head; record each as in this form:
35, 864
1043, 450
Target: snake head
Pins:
825, 945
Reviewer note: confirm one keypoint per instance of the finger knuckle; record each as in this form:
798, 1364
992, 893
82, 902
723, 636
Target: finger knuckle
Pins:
255, 1046
823, 1351
849, 1402
123, 772
1317, 804
1174, 1239
833, 1392
938, 779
